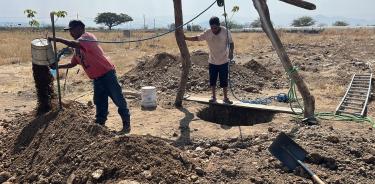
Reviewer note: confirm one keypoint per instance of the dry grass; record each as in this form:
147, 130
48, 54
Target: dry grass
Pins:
15, 48
15, 44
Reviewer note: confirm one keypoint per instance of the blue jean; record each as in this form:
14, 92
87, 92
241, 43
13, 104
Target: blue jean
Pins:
108, 86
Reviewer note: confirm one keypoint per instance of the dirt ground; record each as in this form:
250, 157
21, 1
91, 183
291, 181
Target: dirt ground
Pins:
190, 145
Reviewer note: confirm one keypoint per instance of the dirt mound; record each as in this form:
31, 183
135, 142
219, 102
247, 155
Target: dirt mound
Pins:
258, 69
335, 156
164, 71
67, 146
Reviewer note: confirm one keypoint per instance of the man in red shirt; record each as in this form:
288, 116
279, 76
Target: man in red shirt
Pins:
91, 57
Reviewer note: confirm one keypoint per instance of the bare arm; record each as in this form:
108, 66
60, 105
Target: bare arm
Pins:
69, 43
191, 38
69, 65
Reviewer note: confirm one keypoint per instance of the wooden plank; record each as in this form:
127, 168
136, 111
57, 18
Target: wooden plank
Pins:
351, 107
356, 95
352, 98
351, 113
354, 103
361, 80
363, 88
357, 91
244, 105
359, 85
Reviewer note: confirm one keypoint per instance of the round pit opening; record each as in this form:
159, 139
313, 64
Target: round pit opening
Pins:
234, 116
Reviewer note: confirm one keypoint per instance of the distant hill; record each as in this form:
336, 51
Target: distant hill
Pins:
352, 21
282, 20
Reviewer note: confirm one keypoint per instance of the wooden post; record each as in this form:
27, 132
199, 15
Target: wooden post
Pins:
52, 14
301, 4
185, 55
308, 99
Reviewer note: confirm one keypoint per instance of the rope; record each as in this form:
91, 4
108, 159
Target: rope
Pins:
342, 117
292, 97
228, 46
263, 101
156, 36
292, 93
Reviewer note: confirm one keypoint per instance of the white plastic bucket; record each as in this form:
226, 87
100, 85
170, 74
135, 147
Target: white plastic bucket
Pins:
42, 52
148, 95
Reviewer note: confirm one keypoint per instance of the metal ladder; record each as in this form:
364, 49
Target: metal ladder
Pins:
356, 97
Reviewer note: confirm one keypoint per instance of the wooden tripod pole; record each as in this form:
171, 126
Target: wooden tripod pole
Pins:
52, 14
308, 99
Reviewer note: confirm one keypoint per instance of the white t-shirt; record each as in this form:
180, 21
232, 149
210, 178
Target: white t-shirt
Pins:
217, 44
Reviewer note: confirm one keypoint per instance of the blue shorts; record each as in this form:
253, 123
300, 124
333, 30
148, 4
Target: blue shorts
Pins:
221, 71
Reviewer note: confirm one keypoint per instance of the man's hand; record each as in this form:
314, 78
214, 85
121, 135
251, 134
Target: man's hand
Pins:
49, 39
188, 38
53, 65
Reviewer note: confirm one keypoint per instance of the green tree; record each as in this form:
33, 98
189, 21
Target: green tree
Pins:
235, 9
303, 21
31, 15
232, 25
188, 27
340, 23
256, 23
110, 19
196, 28
60, 14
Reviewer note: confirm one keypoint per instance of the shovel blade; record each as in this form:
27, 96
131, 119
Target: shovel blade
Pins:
287, 151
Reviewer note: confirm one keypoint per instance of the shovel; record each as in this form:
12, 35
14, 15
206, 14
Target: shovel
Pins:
291, 154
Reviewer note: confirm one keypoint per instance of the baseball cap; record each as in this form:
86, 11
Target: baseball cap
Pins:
75, 23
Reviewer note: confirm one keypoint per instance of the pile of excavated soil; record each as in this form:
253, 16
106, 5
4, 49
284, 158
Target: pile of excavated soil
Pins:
164, 71
335, 156
67, 146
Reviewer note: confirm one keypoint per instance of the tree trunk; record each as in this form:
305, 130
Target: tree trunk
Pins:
185, 55
308, 99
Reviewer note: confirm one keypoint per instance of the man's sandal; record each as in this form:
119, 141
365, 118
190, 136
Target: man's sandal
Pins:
227, 101
212, 100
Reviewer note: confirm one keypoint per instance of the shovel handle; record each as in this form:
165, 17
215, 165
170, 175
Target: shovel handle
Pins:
304, 166
317, 179
312, 174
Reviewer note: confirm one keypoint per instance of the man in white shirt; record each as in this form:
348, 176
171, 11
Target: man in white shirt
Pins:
217, 38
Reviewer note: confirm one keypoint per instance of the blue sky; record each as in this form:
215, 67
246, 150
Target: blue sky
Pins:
352, 11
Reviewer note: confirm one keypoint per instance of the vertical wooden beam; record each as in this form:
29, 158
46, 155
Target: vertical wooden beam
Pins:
52, 15
185, 55
308, 99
